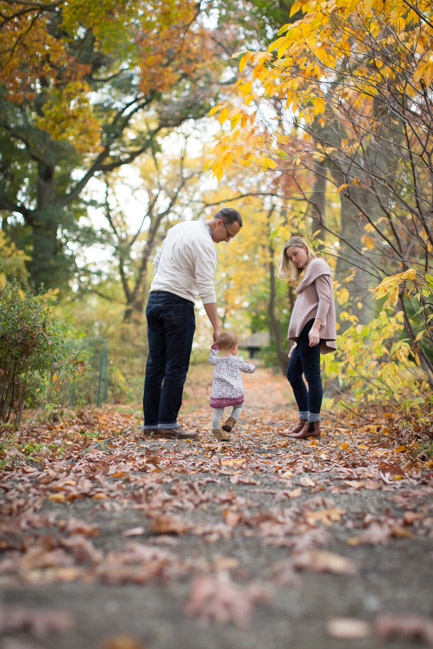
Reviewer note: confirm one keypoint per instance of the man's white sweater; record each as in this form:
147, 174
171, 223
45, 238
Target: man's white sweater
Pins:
186, 263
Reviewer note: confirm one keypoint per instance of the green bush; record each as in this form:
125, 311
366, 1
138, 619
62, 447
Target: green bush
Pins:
33, 349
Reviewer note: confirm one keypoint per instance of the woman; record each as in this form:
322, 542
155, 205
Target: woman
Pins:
313, 329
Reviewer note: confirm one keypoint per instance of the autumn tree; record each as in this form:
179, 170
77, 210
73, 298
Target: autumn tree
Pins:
163, 196
84, 91
345, 93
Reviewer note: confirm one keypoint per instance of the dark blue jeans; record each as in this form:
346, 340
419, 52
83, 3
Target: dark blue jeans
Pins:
170, 331
305, 360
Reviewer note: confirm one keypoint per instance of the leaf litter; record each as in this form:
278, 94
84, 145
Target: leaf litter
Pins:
127, 510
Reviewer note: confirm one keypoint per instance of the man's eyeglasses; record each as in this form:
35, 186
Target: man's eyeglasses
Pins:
230, 236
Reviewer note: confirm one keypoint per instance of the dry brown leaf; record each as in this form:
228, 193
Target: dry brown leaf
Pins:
122, 642
325, 516
321, 561
166, 524
404, 625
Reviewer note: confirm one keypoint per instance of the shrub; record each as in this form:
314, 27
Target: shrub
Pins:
32, 348
375, 366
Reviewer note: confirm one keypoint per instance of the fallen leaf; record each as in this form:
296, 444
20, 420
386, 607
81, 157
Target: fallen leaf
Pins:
321, 561
347, 628
375, 534
325, 516
411, 517
166, 524
134, 531
305, 481
122, 642
232, 518
404, 625
40, 621
217, 598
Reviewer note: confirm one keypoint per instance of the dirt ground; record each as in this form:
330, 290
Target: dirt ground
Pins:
264, 542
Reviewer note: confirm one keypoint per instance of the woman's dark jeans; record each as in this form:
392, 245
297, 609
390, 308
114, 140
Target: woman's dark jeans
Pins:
170, 331
306, 360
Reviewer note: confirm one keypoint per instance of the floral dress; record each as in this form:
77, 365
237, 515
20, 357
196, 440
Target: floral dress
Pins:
227, 386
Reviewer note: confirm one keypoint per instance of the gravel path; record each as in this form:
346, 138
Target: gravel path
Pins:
260, 543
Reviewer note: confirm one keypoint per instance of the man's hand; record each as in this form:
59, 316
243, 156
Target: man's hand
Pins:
211, 312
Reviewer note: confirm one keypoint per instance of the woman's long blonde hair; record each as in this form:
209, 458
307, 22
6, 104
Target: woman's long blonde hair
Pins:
286, 267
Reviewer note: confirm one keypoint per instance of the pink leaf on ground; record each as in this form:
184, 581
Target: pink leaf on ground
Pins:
218, 598
39, 621
408, 626
374, 534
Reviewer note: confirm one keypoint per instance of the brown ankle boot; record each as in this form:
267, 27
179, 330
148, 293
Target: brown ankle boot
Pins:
229, 424
297, 428
220, 435
310, 429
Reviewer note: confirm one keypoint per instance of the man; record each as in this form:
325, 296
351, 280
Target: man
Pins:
184, 266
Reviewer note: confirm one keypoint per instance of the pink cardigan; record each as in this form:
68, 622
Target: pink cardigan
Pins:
315, 299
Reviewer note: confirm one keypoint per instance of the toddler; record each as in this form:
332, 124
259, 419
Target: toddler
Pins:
227, 387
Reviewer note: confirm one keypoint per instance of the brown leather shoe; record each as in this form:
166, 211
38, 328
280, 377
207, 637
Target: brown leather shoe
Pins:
310, 429
295, 429
177, 433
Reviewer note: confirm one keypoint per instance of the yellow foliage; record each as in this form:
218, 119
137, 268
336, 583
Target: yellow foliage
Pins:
342, 296
375, 364
390, 286
299, 65
368, 241
12, 260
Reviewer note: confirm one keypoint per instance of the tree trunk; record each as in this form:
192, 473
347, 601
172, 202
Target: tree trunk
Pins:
319, 200
48, 262
273, 322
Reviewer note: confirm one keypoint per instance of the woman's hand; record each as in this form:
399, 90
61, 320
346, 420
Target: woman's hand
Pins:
314, 336
291, 351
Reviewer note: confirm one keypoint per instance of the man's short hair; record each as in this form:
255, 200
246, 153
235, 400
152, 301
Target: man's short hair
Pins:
227, 340
229, 216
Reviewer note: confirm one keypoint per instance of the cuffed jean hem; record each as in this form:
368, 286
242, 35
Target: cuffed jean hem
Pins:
314, 416
155, 426
303, 415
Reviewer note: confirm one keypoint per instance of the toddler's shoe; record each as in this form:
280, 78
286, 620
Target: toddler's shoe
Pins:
220, 435
229, 424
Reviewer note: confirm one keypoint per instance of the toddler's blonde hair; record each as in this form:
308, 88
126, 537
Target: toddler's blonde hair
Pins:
227, 340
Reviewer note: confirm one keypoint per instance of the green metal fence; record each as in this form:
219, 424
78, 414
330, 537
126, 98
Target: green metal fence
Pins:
91, 384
